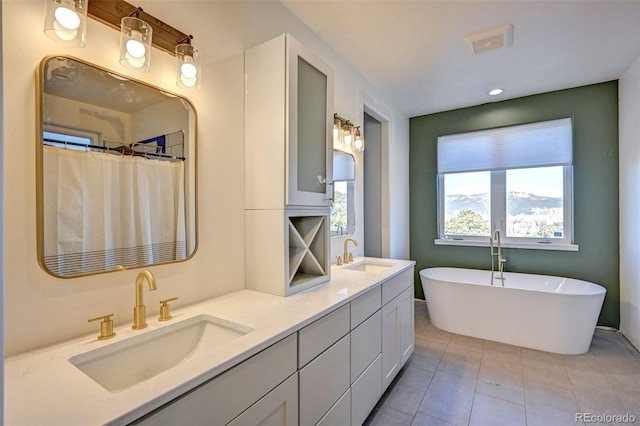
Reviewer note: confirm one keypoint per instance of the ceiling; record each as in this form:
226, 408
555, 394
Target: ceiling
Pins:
414, 51
72, 79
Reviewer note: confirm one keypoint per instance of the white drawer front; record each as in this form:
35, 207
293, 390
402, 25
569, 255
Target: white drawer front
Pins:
366, 344
323, 381
319, 335
366, 392
396, 285
340, 413
364, 306
278, 407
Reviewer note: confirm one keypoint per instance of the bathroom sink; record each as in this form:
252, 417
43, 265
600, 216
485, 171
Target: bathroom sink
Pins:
369, 265
123, 364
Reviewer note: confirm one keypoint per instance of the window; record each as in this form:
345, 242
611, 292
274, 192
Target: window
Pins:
516, 179
343, 212
467, 204
71, 138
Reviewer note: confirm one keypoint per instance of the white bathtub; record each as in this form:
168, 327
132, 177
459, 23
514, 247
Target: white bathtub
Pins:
541, 312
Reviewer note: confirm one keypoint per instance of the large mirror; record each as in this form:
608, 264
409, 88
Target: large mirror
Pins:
116, 171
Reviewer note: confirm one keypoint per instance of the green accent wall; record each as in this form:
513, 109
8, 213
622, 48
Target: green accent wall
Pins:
594, 109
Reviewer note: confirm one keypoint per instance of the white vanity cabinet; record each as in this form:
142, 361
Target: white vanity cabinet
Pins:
261, 387
288, 167
330, 372
288, 126
397, 324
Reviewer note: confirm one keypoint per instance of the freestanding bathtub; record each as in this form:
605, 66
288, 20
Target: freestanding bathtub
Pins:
541, 312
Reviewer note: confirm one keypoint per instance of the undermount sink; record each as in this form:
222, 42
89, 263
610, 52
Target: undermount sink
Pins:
123, 364
369, 265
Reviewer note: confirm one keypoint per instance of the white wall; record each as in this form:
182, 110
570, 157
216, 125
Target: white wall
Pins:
43, 310
629, 151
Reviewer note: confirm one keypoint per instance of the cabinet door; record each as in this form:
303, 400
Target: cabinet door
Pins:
397, 335
323, 381
277, 408
406, 325
390, 342
309, 144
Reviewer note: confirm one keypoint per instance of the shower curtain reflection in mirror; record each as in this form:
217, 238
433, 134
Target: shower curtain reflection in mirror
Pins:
103, 211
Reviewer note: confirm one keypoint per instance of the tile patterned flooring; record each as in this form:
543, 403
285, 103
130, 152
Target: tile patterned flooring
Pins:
459, 380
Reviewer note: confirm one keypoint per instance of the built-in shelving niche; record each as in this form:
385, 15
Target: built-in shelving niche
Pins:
307, 249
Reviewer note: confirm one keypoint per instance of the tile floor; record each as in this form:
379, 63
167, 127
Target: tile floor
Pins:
453, 379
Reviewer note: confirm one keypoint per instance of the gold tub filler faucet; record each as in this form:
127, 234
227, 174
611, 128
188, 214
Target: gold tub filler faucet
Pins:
498, 254
139, 314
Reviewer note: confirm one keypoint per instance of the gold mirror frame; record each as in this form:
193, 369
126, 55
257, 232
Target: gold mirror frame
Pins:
140, 90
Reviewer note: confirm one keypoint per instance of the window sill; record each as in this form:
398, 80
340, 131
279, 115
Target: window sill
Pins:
518, 245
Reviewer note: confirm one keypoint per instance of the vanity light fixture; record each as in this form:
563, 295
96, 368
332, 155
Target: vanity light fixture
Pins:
135, 42
188, 73
345, 132
66, 21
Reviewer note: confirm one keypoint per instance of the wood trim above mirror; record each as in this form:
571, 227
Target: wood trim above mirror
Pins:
110, 12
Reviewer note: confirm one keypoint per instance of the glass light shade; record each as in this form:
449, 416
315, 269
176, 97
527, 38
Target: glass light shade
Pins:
135, 44
347, 134
336, 130
66, 21
358, 142
188, 71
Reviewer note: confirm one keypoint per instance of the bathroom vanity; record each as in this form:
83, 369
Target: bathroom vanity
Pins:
322, 356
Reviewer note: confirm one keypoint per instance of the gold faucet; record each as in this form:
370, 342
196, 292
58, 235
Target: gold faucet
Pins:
346, 258
139, 314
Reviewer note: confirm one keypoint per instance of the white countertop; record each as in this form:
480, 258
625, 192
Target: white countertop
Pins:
43, 388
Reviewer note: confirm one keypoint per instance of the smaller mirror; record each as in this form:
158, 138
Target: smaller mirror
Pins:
343, 211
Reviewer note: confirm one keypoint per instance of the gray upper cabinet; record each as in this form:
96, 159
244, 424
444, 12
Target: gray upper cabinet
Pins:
288, 123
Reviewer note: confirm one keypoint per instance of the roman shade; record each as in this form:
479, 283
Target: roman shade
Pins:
546, 143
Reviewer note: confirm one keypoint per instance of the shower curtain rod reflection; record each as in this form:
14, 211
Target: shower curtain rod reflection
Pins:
122, 150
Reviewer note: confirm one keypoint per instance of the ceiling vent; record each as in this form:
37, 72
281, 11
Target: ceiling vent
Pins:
495, 38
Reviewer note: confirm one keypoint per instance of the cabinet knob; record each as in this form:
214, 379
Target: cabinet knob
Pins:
164, 309
106, 326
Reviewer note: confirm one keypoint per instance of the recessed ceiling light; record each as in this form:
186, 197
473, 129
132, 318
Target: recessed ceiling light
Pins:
495, 92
